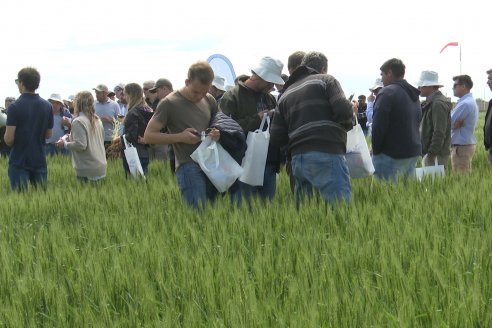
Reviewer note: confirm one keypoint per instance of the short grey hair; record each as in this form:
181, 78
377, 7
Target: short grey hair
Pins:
315, 60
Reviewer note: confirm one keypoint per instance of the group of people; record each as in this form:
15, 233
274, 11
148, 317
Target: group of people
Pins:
310, 116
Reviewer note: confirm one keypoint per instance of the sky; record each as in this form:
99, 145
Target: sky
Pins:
77, 45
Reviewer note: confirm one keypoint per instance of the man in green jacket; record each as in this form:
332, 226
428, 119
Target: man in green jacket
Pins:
435, 129
246, 103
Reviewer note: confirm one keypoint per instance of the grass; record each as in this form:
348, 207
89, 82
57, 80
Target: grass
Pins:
130, 254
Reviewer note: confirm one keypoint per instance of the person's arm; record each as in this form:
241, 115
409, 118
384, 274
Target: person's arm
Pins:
48, 133
78, 137
131, 128
343, 109
380, 123
458, 116
278, 131
9, 136
370, 108
229, 106
440, 119
153, 135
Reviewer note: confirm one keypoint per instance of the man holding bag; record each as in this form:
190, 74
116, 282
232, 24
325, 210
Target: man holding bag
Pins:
186, 113
313, 118
247, 103
435, 129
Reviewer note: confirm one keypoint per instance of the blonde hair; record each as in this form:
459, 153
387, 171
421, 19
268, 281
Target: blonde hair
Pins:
84, 102
134, 96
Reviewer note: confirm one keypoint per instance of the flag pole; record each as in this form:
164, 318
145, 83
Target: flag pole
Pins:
460, 58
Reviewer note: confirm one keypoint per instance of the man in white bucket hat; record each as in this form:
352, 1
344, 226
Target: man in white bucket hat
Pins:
435, 128
218, 88
62, 122
246, 103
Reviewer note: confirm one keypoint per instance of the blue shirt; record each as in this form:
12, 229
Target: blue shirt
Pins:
369, 112
109, 108
59, 130
465, 109
32, 116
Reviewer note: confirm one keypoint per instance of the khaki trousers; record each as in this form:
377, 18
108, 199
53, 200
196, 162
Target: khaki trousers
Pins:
461, 157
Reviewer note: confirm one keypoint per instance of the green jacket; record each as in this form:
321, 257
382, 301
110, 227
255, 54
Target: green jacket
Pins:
435, 129
240, 103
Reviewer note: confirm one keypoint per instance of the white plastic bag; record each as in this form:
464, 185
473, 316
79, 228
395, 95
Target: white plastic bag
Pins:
358, 158
431, 170
220, 168
132, 159
256, 154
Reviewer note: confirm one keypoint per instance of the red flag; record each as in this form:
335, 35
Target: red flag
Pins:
455, 44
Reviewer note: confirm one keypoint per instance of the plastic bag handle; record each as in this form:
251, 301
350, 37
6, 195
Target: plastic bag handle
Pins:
213, 146
265, 118
126, 143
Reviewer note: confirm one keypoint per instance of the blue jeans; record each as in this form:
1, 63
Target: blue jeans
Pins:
144, 161
194, 185
267, 191
19, 177
388, 168
50, 149
328, 173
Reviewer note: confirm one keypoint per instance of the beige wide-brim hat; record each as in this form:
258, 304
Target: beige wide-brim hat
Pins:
56, 97
377, 84
219, 83
270, 70
101, 87
429, 79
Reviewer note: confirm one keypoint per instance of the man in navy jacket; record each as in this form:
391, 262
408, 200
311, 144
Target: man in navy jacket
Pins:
396, 143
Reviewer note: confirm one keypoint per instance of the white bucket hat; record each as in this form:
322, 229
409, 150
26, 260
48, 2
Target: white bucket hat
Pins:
429, 79
56, 97
377, 84
69, 99
219, 83
270, 70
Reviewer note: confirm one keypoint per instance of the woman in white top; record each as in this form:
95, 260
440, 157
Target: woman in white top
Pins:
86, 140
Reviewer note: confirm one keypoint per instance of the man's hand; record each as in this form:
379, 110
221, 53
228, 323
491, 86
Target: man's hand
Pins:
371, 97
106, 118
190, 136
214, 134
459, 123
66, 122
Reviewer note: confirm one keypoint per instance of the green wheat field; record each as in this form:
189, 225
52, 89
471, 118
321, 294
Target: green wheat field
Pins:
130, 254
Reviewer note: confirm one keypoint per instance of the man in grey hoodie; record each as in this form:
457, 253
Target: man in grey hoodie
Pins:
396, 143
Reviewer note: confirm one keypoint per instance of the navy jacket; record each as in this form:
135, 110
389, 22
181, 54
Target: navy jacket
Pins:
396, 121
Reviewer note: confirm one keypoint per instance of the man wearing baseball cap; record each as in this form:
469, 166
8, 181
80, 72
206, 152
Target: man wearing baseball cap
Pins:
121, 99
435, 128
162, 152
246, 103
107, 110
